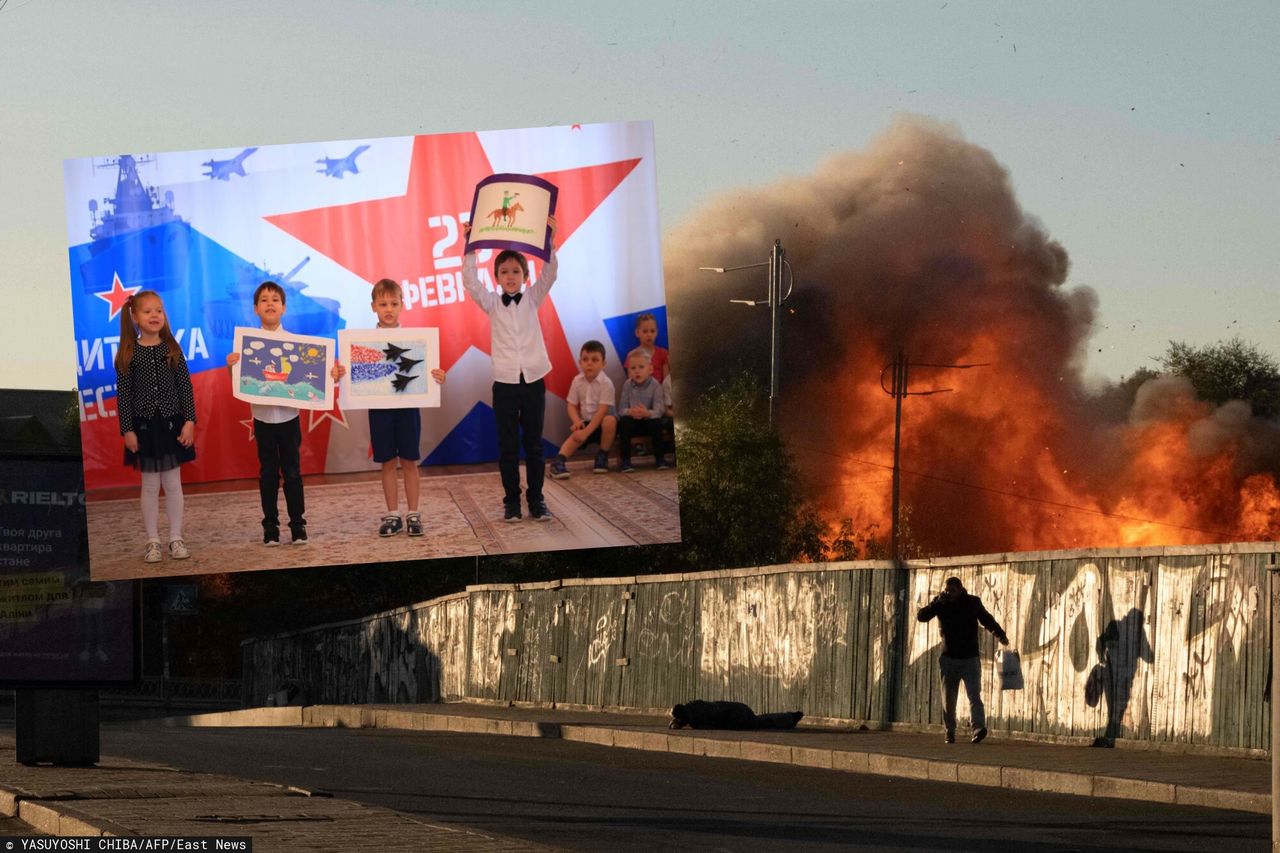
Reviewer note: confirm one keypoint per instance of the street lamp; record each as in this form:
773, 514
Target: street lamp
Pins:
777, 260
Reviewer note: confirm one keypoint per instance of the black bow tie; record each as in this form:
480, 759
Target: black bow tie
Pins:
508, 298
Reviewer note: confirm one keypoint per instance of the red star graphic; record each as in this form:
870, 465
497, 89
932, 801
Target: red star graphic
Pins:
117, 296
315, 417
414, 238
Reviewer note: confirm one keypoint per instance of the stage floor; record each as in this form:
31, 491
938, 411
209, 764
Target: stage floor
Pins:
462, 514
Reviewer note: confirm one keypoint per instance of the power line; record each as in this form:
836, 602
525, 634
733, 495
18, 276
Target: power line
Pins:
1030, 498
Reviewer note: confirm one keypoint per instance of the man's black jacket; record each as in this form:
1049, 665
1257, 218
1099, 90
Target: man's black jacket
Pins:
959, 620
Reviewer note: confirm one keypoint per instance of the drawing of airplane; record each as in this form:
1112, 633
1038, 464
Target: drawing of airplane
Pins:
312, 375
256, 360
400, 382
222, 170
336, 167
392, 352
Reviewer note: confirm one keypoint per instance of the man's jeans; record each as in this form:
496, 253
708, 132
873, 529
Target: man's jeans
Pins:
954, 671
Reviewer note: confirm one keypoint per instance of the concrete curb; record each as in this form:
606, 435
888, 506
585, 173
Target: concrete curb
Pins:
849, 761
54, 818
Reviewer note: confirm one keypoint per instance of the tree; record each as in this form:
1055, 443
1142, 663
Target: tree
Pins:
1228, 370
741, 503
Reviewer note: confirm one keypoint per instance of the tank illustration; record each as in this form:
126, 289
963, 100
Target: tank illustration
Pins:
304, 314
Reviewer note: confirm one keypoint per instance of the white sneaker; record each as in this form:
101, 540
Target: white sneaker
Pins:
152, 552
178, 550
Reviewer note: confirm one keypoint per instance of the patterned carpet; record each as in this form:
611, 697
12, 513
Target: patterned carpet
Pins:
462, 515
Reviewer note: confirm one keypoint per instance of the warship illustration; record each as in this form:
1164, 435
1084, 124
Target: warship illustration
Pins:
134, 207
161, 247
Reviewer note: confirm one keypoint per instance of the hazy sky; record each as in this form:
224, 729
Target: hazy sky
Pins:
1144, 136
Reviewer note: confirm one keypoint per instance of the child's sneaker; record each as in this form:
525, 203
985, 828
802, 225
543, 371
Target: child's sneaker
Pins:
178, 550
511, 513
538, 511
151, 554
626, 467
300, 536
413, 522
271, 538
661, 464
391, 525
559, 470
602, 464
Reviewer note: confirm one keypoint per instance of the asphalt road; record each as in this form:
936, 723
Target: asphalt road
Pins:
586, 797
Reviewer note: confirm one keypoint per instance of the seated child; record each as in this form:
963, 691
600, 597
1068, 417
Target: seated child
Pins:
591, 414
641, 409
647, 333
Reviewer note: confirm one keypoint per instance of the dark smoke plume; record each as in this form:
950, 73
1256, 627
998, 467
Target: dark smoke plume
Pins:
916, 243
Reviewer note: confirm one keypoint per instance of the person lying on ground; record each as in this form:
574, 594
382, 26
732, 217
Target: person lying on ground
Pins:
700, 714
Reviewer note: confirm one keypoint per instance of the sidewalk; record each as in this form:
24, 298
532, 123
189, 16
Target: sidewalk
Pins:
121, 797
1240, 784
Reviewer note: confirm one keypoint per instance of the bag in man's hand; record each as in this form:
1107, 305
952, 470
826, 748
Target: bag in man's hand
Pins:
1009, 667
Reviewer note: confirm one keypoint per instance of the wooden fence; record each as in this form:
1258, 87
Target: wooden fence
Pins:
1167, 645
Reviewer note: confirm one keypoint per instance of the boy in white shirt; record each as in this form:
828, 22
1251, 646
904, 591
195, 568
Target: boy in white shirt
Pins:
520, 365
278, 434
591, 415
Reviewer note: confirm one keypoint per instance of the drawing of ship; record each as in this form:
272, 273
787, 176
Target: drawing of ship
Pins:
281, 375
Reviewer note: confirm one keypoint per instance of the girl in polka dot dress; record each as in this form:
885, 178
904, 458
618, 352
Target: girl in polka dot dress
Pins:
157, 415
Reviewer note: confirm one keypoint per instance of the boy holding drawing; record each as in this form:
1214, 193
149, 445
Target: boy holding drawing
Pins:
395, 434
278, 434
520, 364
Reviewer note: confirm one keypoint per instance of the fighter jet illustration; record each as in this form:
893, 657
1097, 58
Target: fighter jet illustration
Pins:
401, 382
407, 364
222, 170
336, 167
392, 352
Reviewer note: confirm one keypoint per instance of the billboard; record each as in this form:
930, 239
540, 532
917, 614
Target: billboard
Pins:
325, 221
57, 626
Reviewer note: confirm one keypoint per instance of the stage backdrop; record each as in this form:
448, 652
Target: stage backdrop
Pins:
326, 219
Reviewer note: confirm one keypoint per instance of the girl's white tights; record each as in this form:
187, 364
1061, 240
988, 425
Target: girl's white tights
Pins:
171, 480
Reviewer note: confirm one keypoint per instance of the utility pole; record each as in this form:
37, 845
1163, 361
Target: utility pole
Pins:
899, 391
777, 263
